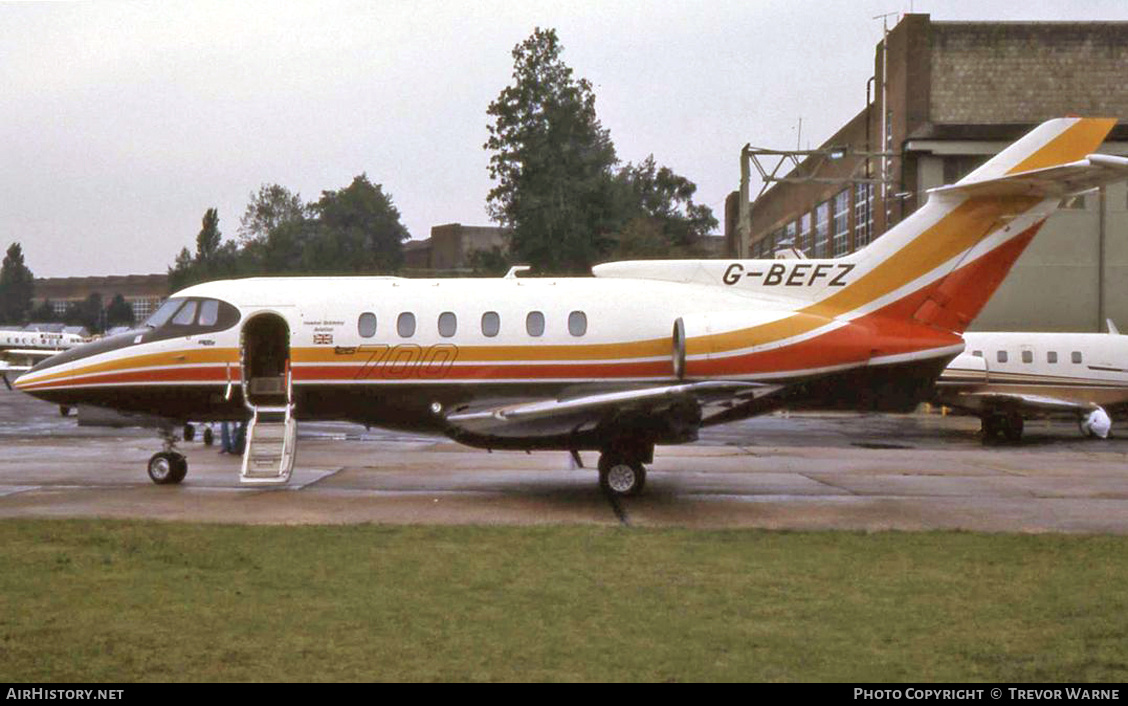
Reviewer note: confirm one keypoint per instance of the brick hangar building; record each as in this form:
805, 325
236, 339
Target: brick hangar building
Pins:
947, 96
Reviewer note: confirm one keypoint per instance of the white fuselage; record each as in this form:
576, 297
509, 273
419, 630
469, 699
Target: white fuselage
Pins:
1082, 368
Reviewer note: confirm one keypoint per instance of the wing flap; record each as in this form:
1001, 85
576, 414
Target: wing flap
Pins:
586, 411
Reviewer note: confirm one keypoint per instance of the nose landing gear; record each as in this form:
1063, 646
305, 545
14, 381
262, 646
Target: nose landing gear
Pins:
167, 467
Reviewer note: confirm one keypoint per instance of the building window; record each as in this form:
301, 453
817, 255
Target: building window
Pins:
1076, 357
791, 234
1001, 356
491, 324
577, 323
1051, 356
534, 323
366, 325
842, 222
806, 232
822, 230
405, 325
863, 215
448, 324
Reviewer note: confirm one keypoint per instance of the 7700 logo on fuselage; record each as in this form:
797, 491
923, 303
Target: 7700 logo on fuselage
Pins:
801, 274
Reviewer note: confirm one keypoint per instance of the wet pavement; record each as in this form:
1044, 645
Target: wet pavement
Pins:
810, 471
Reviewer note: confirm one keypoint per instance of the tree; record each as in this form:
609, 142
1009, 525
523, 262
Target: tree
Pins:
119, 312
16, 286
272, 207
88, 313
357, 229
663, 220
207, 241
553, 163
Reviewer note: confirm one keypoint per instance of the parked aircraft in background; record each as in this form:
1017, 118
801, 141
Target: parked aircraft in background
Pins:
22, 349
1006, 377
644, 353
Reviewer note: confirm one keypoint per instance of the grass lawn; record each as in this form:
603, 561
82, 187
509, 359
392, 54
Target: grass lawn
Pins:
145, 601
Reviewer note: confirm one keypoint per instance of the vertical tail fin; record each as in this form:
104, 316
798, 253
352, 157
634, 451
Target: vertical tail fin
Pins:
943, 263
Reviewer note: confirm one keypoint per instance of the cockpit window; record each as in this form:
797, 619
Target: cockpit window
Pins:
161, 316
209, 312
186, 315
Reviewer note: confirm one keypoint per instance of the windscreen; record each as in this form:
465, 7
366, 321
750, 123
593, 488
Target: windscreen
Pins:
161, 316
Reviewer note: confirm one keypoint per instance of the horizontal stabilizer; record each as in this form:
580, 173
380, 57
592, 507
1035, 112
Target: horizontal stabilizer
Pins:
1050, 182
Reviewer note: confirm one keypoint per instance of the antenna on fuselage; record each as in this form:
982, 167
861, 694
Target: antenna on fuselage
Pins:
512, 274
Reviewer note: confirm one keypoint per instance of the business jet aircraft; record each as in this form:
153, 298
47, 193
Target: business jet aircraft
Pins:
1004, 377
21, 349
644, 353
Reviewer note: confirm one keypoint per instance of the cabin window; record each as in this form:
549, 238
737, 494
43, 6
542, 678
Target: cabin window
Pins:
577, 323
1027, 356
405, 325
186, 315
1051, 356
977, 354
534, 323
209, 312
1076, 356
1001, 356
366, 325
491, 324
448, 324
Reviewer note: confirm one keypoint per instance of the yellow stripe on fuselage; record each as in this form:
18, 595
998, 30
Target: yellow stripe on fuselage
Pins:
960, 230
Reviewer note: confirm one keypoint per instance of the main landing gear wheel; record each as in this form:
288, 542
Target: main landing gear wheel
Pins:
209, 436
1009, 426
621, 477
167, 468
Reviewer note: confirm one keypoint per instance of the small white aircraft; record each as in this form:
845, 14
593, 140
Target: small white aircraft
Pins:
1006, 376
22, 349
644, 353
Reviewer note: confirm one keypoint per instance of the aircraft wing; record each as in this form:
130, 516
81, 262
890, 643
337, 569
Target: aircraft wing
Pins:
1057, 181
583, 412
981, 401
35, 353
7, 369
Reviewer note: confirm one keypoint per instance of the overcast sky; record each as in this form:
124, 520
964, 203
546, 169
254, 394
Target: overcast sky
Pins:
122, 122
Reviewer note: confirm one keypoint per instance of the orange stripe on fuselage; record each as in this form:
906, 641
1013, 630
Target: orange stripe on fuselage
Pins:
956, 232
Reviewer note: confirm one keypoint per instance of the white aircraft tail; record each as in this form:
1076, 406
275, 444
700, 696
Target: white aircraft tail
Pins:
941, 264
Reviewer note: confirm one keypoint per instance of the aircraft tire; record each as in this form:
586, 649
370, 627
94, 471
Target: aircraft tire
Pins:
167, 467
1012, 428
620, 477
64, 410
179, 467
991, 426
209, 436
189, 432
